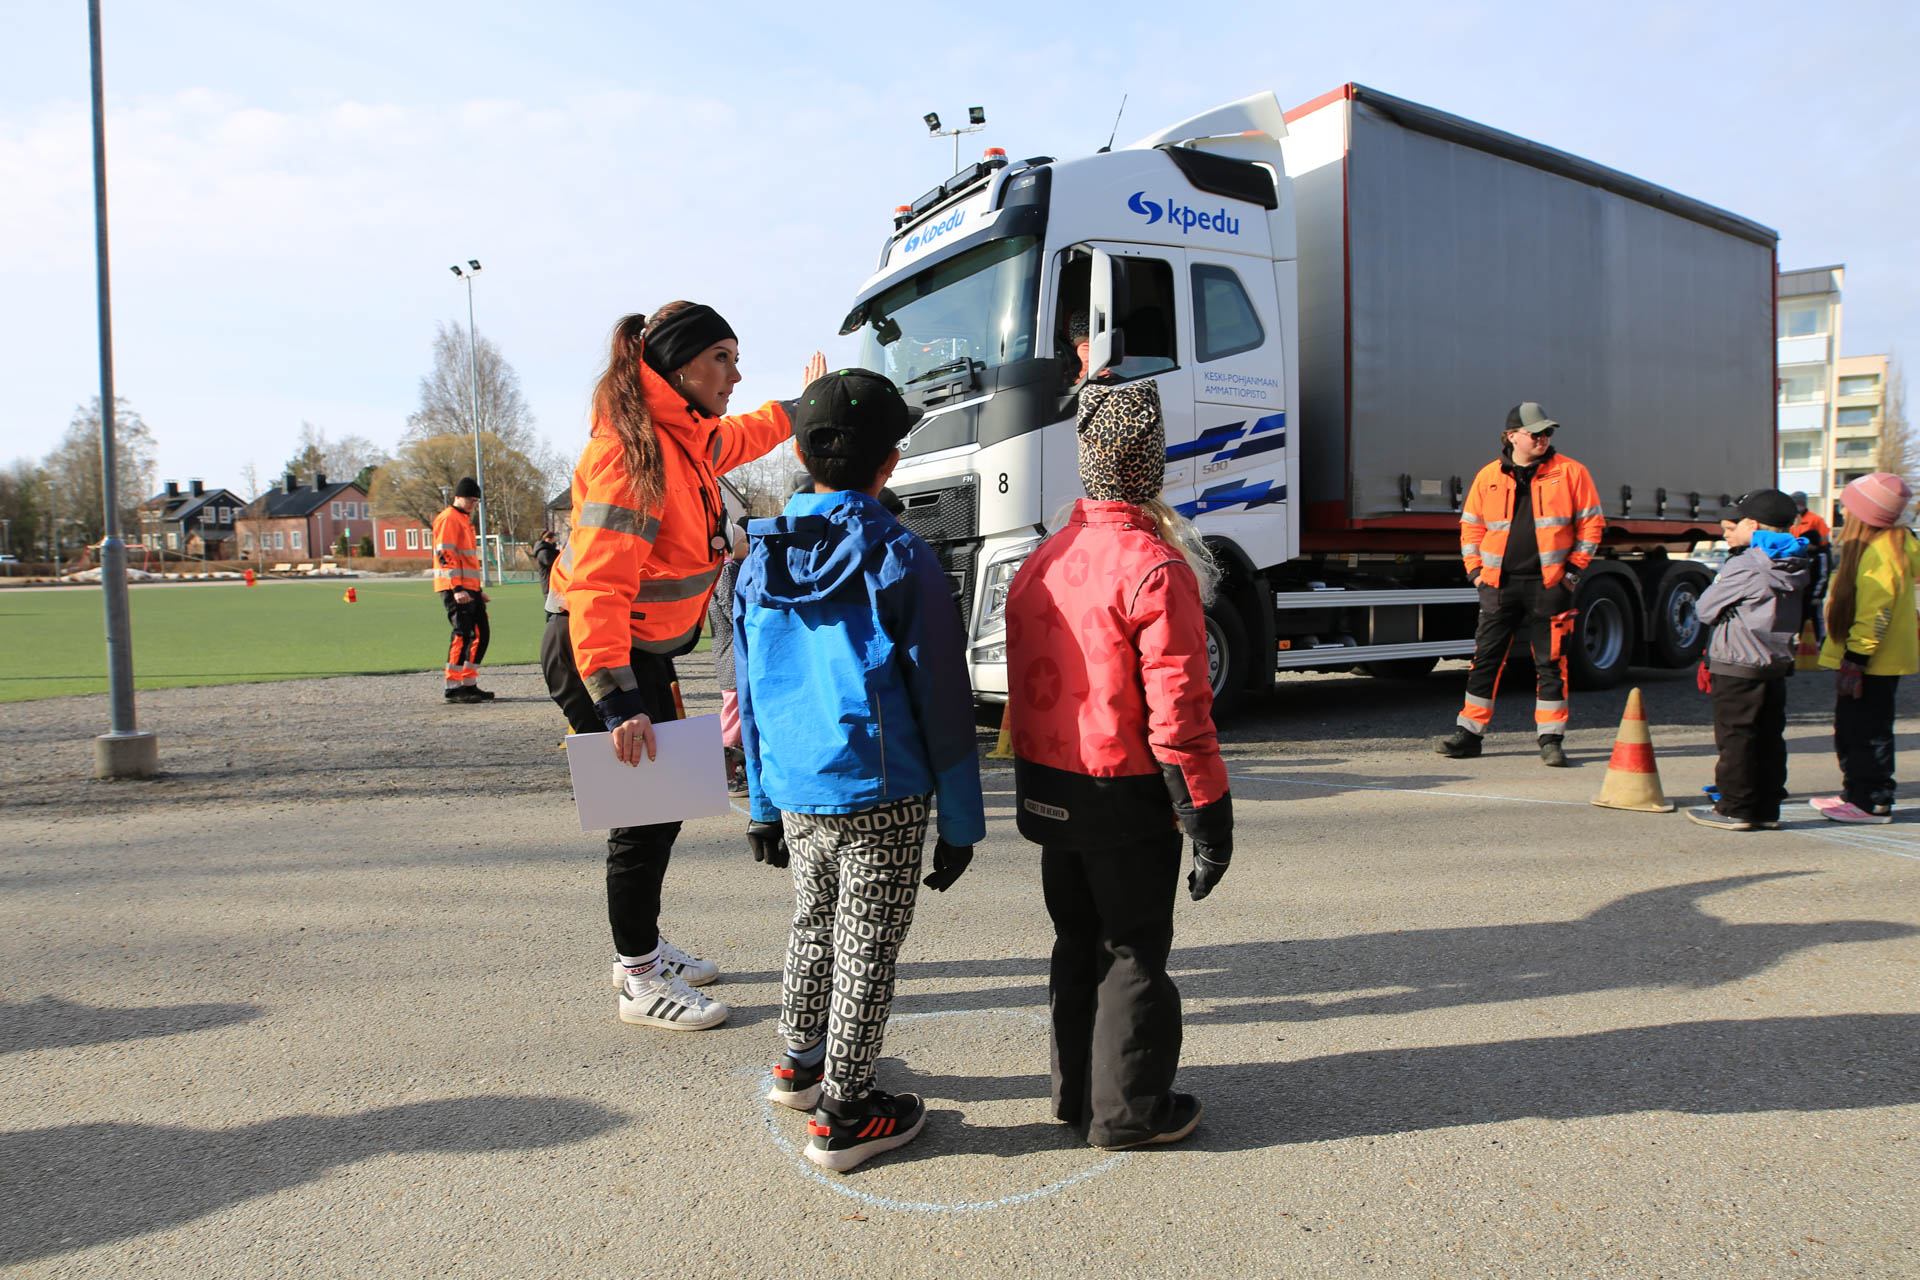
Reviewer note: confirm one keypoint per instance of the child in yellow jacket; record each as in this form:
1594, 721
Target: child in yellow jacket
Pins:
1873, 638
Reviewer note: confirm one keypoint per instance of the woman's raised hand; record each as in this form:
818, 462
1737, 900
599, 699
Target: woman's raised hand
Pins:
816, 368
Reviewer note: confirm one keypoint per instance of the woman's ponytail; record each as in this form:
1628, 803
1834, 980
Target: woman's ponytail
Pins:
1186, 539
620, 400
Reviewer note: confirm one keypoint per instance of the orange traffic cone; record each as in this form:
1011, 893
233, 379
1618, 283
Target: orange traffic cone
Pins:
352, 595
1003, 746
1807, 658
1633, 781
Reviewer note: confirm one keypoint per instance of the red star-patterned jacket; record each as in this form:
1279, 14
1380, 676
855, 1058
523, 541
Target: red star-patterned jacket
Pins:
1111, 716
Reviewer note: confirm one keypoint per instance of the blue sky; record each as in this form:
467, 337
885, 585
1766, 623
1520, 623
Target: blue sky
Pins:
289, 184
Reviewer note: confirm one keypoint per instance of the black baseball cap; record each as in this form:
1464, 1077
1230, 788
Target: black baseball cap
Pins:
854, 414
1769, 507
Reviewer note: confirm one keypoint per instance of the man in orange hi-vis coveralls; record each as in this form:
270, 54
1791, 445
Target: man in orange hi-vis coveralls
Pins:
456, 576
1530, 524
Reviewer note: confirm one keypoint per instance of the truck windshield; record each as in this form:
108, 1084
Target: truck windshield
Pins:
977, 306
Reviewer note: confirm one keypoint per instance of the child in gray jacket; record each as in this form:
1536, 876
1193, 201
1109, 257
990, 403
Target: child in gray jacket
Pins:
1754, 608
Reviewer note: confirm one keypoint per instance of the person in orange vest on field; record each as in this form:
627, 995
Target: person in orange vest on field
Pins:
1530, 524
1819, 536
629, 594
456, 576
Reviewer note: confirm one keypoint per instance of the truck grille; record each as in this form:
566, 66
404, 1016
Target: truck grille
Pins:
947, 516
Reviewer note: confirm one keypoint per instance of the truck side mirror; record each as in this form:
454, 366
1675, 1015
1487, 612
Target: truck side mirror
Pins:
1106, 302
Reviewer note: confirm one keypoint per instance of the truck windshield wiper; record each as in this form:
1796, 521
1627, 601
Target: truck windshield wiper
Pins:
952, 366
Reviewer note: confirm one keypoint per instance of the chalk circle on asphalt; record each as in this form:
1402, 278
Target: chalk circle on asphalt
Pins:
840, 1184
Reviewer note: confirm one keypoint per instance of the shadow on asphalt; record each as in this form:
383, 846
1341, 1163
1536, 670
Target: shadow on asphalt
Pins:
52, 1023
69, 1187
1656, 938
1825, 1063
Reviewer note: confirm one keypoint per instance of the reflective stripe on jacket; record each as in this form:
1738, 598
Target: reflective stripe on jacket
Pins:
1109, 709
1566, 519
456, 552
630, 579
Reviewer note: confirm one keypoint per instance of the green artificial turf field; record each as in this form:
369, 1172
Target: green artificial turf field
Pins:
54, 642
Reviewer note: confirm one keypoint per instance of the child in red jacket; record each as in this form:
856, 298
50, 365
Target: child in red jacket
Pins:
1114, 753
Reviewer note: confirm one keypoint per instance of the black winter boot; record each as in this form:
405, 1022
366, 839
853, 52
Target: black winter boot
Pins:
1462, 744
1552, 752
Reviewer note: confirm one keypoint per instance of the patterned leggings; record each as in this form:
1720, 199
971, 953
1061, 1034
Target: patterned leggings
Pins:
856, 877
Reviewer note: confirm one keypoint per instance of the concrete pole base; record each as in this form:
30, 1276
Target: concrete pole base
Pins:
126, 755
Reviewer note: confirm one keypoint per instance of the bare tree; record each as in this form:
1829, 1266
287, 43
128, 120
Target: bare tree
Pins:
1898, 451
23, 505
348, 458
74, 470
416, 481
250, 480
767, 481
446, 395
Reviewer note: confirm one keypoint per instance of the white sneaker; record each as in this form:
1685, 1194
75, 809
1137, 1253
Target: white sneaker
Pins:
664, 999
694, 971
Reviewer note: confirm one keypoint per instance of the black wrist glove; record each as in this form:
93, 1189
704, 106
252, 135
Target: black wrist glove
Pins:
619, 706
949, 860
1209, 865
768, 840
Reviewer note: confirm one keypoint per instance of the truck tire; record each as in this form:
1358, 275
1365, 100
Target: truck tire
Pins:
1603, 635
1227, 655
1400, 668
1677, 638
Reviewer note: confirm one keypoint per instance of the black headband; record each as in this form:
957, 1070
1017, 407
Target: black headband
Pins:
684, 335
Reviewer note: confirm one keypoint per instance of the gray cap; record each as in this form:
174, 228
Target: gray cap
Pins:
1530, 418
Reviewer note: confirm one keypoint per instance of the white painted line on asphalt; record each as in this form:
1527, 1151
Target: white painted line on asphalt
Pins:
1407, 791
1865, 840
838, 1183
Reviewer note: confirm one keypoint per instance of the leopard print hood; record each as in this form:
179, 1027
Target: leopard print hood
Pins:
1123, 442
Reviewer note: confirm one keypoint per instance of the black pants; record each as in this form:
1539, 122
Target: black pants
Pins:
1505, 610
636, 856
468, 644
1116, 1013
1863, 739
1750, 728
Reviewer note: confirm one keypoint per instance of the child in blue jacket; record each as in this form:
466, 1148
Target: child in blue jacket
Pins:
855, 712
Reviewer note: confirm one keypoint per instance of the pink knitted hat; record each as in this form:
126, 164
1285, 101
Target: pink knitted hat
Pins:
1877, 499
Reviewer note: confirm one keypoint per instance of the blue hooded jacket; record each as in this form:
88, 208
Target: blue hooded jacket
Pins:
851, 669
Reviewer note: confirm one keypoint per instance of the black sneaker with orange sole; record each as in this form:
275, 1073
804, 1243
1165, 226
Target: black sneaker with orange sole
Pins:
795, 1084
846, 1135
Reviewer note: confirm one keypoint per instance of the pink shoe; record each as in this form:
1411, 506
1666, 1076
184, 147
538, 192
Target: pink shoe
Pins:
1836, 809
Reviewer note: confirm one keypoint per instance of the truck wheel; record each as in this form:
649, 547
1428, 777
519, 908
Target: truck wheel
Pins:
1227, 655
1677, 637
1400, 668
1603, 635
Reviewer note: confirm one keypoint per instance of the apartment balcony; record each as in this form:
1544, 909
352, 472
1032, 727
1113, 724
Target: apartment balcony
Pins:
1803, 415
1809, 480
1812, 350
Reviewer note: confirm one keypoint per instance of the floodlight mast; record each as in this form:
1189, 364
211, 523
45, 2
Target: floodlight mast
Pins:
976, 121
473, 384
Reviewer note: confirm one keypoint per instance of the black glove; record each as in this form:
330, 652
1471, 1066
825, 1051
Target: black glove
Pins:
619, 706
949, 860
1209, 865
768, 840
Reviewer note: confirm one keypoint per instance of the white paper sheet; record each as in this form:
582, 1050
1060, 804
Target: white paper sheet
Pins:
687, 779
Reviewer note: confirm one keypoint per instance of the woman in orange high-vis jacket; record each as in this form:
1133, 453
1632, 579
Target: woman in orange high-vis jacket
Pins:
628, 595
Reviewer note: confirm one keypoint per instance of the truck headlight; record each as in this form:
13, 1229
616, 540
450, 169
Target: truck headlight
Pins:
994, 585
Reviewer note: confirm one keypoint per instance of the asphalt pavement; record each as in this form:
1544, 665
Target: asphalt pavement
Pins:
328, 999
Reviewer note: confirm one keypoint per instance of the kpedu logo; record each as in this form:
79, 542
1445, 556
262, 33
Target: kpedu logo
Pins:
928, 234
1183, 217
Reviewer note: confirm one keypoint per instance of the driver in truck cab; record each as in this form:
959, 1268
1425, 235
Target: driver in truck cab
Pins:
1530, 525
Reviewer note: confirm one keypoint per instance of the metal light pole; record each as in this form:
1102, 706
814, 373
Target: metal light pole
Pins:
976, 121
473, 371
123, 751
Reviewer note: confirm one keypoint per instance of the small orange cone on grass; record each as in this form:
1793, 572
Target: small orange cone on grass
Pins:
352, 595
1633, 780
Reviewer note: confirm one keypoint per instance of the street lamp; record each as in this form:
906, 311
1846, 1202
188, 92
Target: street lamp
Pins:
473, 372
53, 525
976, 121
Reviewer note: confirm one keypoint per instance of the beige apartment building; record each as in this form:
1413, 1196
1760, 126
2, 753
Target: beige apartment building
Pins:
1859, 413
